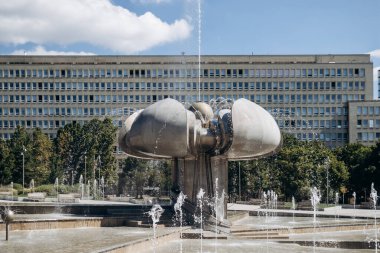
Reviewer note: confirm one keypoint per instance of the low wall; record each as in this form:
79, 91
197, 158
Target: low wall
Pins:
332, 228
8, 197
74, 208
65, 223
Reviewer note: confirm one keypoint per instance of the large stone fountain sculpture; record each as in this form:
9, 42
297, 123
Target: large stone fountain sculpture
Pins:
200, 139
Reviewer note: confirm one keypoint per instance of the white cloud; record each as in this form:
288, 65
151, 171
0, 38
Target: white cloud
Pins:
376, 82
375, 57
376, 72
97, 22
40, 50
375, 53
151, 1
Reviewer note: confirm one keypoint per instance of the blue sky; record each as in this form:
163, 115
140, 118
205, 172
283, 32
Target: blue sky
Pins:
147, 27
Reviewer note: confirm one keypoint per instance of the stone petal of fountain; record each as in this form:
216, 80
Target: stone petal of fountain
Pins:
147, 131
255, 132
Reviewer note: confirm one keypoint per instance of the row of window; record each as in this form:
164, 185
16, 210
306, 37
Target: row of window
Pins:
86, 86
312, 124
293, 112
43, 124
283, 113
339, 137
293, 124
179, 73
258, 98
368, 136
368, 110
368, 123
69, 111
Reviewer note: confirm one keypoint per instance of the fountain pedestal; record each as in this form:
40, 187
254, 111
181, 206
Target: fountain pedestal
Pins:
192, 174
189, 175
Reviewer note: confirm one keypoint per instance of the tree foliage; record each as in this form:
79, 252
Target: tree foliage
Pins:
291, 172
40, 157
64, 157
140, 173
69, 150
364, 166
5, 165
86, 150
19, 146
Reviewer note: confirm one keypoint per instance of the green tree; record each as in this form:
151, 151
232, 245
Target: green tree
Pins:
19, 146
40, 157
238, 183
104, 148
69, 149
306, 164
136, 174
164, 176
295, 168
87, 149
5, 165
356, 157
371, 171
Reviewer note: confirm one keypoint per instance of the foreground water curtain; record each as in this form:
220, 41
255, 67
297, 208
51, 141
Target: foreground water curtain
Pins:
200, 138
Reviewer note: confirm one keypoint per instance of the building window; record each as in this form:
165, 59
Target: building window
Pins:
361, 72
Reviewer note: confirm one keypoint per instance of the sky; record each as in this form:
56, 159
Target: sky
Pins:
161, 27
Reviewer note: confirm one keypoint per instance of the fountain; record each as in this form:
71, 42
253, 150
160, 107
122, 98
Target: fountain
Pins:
315, 199
354, 197
200, 197
293, 206
56, 185
275, 198
81, 186
12, 191
200, 140
265, 200
336, 205
373, 197
102, 186
31, 185
199, 47
270, 201
216, 207
88, 189
94, 188
178, 210
155, 214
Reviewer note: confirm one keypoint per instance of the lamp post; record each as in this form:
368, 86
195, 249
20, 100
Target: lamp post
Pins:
23, 168
327, 185
239, 183
7, 216
99, 173
327, 180
85, 167
94, 169
99, 164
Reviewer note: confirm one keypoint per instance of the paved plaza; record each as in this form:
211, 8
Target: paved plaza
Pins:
107, 239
